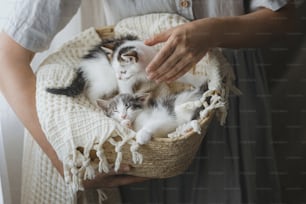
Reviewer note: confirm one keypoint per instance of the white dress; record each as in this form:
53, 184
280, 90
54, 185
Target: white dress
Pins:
235, 163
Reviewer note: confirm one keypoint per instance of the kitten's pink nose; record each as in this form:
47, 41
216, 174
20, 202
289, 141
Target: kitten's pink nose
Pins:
123, 116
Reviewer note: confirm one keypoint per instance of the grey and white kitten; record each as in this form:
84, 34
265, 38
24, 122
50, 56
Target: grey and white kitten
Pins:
96, 75
129, 61
151, 117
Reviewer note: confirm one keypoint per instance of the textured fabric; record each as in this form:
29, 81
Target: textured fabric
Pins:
34, 23
34, 30
41, 183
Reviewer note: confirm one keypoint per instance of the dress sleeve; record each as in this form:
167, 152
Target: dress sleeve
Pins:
35, 22
270, 4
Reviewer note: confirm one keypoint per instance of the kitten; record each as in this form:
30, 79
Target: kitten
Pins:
152, 117
130, 59
95, 75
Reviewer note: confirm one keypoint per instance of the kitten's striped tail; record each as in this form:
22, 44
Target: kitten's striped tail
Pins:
76, 88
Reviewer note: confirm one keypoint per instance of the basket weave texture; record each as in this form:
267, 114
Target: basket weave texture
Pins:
87, 141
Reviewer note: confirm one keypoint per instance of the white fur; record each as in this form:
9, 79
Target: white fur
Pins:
183, 114
153, 122
130, 73
100, 77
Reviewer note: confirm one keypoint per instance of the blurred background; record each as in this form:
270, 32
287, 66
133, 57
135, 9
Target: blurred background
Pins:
285, 64
286, 69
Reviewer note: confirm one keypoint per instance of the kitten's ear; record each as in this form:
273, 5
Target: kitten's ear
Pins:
108, 48
130, 56
143, 97
102, 104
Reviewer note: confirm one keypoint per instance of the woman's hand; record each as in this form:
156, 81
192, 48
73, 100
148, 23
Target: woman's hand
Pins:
185, 45
113, 179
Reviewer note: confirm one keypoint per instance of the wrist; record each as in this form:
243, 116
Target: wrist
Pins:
222, 30
212, 30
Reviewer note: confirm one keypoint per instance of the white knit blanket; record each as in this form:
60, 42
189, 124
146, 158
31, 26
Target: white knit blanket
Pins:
73, 122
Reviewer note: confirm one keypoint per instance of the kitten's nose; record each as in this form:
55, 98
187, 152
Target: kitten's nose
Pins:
123, 72
123, 116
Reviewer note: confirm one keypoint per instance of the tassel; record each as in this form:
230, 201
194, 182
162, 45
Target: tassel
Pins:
119, 156
101, 196
136, 156
75, 179
103, 164
89, 170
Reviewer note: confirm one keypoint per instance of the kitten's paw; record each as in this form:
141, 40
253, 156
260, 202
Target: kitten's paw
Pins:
143, 136
126, 123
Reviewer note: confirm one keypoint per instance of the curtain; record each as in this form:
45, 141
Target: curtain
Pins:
3, 171
5, 195
4, 183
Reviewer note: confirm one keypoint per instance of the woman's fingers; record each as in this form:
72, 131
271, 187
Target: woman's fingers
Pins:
158, 38
176, 66
161, 57
113, 179
168, 64
176, 72
110, 181
121, 180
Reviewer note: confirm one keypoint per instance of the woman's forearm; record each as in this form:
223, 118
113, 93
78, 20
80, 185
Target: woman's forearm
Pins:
18, 84
255, 29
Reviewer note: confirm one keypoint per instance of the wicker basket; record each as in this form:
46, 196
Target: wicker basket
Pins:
162, 157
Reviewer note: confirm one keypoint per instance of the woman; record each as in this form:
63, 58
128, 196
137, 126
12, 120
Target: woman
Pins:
235, 163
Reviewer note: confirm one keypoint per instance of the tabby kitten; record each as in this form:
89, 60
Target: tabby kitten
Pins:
152, 117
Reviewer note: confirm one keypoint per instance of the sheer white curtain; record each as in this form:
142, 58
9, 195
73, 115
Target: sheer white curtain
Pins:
11, 130
10, 155
11, 141
4, 182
